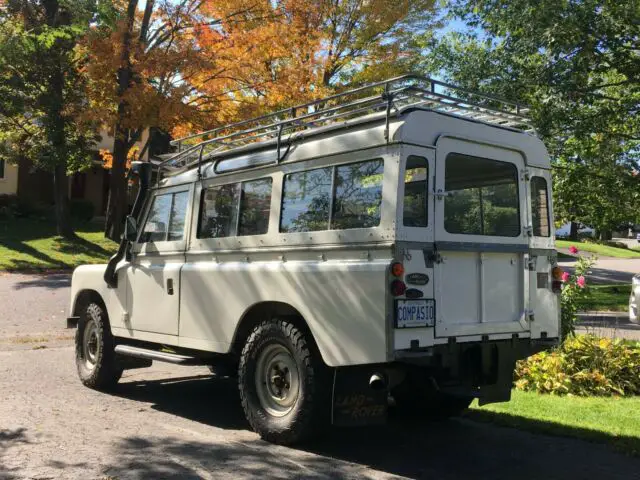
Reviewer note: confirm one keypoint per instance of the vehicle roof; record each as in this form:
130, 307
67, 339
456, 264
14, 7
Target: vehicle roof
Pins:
418, 126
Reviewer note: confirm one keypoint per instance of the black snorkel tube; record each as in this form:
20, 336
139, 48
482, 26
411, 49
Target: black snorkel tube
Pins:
142, 171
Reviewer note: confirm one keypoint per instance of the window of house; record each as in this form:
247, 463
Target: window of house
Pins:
339, 197
167, 217
483, 196
415, 192
540, 207
236, 209
1, 168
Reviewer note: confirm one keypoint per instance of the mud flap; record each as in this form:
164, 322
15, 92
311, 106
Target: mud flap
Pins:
504, 363
355, 403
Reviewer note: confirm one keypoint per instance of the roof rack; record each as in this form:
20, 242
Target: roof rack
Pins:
393, 95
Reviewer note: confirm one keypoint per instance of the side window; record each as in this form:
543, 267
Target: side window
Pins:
236, 210
166, 219
358, 195
341, 197
540, 207
483, 196
415, 192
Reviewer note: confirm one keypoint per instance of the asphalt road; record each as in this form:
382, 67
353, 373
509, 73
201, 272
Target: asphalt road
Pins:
179, 422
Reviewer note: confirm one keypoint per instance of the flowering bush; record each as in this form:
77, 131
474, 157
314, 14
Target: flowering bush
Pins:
573, 291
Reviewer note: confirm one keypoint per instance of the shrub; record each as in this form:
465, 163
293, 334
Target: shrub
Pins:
82, 210
573, 294
584, 365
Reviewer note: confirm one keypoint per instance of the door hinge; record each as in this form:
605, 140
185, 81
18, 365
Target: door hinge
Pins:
531, 263
525, 175
528, 231
440, 194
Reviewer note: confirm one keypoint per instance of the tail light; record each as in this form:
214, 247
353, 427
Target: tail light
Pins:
398, 288
556, 284
397, 269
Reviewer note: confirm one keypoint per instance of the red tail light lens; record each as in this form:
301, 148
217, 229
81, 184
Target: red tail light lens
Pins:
397, 269
398, 288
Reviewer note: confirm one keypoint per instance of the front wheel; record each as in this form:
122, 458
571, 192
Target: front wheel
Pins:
282, 382
95, 356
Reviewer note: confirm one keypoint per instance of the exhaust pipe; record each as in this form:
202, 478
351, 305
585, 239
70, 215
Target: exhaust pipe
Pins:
378, 381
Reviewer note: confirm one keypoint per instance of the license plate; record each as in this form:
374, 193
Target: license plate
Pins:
415, 313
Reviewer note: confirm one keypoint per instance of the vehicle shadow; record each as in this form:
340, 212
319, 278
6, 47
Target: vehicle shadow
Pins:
470, 447
7, 439
50, 281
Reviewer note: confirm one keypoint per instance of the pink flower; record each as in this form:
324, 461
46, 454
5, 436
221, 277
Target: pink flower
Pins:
565, 276
573, 250
581, 281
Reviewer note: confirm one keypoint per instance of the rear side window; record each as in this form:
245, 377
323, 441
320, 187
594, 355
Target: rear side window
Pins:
340, 197
237, 209
483, 196
415, 192
166, 218
540, 207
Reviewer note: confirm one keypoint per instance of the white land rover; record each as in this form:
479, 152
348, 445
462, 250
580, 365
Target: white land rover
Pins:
388, 245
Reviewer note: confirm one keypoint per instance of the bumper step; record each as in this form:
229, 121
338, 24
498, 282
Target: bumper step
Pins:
130, 351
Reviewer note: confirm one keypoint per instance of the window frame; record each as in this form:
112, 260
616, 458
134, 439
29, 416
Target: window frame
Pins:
334, 173
204, 189
146, 248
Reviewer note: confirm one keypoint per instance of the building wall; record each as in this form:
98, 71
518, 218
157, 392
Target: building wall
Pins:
106, 142
9, 182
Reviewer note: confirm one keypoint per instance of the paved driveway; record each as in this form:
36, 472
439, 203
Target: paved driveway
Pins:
178, 422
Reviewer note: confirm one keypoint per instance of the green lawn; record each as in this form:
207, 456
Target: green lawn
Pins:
30, 244
615, 421
600, 250
613, 298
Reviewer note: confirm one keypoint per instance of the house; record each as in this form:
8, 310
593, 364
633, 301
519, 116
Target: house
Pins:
92, 184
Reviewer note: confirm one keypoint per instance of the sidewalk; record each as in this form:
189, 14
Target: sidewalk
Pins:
608, 324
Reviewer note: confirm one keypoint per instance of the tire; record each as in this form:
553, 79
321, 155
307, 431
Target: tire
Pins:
95, 356
283, 383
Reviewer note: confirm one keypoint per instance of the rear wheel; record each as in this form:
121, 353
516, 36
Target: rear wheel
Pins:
95, 356
282, 382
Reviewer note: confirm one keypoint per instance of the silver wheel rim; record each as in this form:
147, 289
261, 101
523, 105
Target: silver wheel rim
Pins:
90, 344
277, 380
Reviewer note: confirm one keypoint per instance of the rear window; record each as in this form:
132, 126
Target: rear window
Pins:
415, 192
482, 196
540, 207
340, 197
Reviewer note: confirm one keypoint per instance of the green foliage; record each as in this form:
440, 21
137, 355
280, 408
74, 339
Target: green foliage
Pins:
82, 210
575, 64
574, 293
583, 365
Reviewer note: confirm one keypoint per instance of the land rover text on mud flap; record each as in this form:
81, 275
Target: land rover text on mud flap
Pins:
390, 245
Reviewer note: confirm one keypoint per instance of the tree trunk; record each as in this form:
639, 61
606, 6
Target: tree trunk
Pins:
573, 231
116, 207
55, 128
61, 197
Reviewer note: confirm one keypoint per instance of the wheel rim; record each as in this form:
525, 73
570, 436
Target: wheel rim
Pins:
90, 344
277, 380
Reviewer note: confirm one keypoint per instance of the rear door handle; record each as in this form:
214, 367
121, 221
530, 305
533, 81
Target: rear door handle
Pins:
170, 286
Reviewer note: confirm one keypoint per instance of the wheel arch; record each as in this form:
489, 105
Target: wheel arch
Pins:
84, 297
270, 309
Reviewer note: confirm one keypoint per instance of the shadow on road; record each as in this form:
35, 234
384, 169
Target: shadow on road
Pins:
8, 438
52, 282
462, 448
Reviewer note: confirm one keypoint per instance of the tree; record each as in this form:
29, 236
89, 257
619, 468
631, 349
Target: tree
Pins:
576, 64
40, 98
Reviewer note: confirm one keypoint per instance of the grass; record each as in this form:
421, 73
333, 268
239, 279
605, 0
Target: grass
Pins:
600, 250
31, 244
614, 298
614, 421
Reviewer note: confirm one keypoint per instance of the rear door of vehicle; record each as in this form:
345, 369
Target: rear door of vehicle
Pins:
482, 238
